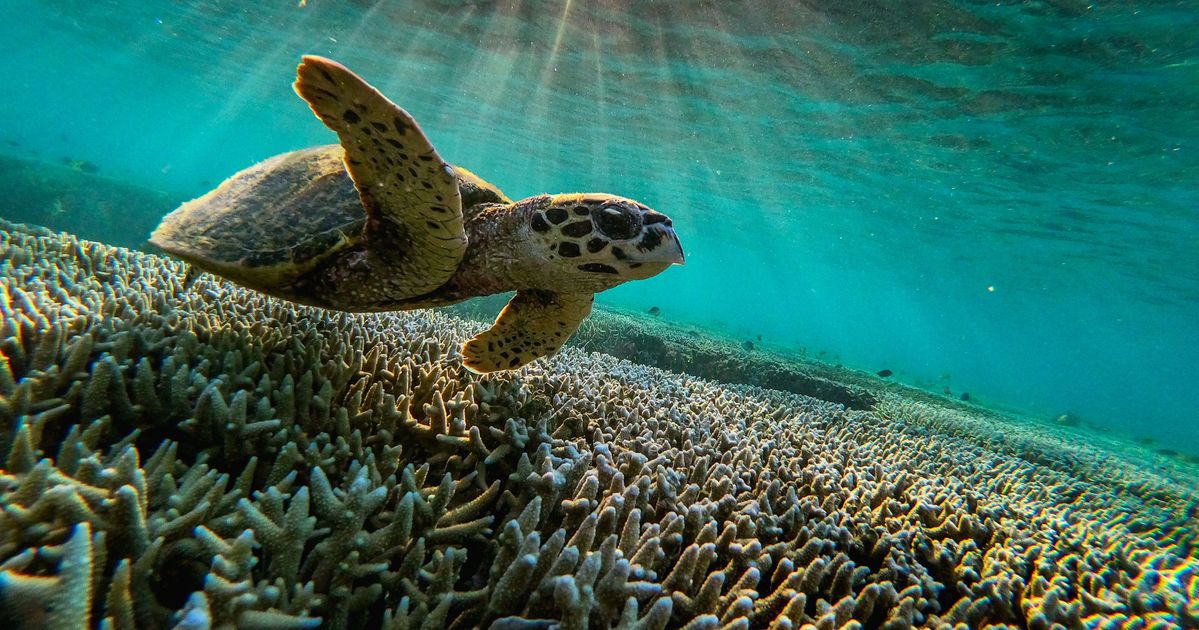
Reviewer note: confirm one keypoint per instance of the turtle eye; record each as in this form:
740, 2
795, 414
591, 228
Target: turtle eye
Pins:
617, 222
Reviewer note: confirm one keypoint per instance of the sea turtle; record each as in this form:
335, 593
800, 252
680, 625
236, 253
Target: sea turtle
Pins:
381, 222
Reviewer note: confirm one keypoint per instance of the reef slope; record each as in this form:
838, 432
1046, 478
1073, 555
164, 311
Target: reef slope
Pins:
201, 456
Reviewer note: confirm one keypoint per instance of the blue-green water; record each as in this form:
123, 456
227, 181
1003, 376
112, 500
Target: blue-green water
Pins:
994, 198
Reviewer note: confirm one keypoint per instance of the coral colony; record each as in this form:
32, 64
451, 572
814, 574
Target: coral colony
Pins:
200, 456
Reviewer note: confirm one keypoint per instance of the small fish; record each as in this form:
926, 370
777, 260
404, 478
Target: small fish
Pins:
759, 337
884, 373
655, 311
965, 396
947, 391
1068, 420
748, 345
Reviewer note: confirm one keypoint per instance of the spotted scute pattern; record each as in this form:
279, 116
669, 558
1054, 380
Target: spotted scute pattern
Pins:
411, 196
533, 325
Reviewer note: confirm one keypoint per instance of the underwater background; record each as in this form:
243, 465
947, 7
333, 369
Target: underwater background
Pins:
930, 362
991, 198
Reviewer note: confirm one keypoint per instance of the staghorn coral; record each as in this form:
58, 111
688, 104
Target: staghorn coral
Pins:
201, 456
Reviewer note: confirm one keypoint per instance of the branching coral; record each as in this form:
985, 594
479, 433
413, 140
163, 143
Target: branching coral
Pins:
200, 456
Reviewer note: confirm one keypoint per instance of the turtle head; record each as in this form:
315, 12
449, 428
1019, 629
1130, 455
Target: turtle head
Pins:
597, 241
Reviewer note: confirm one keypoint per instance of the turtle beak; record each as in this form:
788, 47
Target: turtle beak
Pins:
676, 249
660, 230
669, 249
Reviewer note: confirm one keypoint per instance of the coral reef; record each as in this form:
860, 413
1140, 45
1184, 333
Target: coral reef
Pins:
199, 456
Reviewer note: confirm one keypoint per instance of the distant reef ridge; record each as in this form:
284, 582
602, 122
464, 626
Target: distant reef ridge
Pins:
72, 196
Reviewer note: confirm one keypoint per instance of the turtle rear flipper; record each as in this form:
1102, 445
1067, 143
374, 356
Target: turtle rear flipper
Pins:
534, 324
411, 197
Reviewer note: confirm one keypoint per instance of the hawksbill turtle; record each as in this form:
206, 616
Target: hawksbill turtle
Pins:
381, 222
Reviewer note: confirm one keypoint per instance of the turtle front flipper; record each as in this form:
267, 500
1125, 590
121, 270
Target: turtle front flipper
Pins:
534, 324
411, 197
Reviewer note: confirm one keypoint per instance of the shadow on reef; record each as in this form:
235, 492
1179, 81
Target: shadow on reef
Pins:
206, 457
656, 343
71, 196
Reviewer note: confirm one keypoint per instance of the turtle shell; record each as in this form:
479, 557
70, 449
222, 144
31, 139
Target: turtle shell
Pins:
270, 223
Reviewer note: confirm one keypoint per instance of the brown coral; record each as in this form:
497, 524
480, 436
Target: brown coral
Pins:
208, 457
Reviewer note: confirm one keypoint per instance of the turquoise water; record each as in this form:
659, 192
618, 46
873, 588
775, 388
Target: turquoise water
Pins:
997, 199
